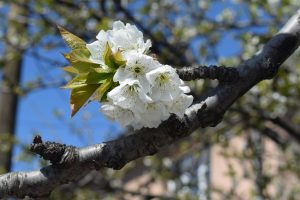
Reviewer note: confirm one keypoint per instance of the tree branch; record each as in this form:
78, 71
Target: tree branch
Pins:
279, 121
223, 74
209, 112
274, 136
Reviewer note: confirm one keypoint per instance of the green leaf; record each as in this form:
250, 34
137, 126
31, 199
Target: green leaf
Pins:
98, 76
119, 59
91, 77
79, 56
113, 61
103, 90
72, 40
77, 82
80, 95
71, 70
80, 61
107, 56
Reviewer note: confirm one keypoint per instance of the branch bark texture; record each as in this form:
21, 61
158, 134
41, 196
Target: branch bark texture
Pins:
209, 111
223, 74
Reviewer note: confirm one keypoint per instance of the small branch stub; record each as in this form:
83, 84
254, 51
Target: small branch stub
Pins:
56, 153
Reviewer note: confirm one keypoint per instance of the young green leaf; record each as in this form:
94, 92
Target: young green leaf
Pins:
77, 82
103, 89
80, 61
97, 76
119, 59
71, 70
113, 61
80, 95
108, 56
72, 40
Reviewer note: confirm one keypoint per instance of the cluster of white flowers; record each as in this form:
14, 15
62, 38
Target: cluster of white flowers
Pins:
148, 91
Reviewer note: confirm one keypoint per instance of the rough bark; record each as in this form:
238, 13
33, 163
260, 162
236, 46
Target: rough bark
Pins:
115, 154
222, 73
11, 79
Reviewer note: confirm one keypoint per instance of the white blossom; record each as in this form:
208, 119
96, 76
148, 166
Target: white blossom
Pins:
127, 38
136, 68
179, 105
124, 116
129, 95
148, 92
154, 114
97, 48
165, 83
184, 88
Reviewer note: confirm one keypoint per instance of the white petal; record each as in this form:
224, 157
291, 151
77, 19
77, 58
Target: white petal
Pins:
166, 70
120, 75
102, 37
117, 25
127, 38
154, 114
147, 45
179, 106
137, 125
123, 116
144, 83
185, 88
129, 95
97, 48
143, 96
165, 83
136, 68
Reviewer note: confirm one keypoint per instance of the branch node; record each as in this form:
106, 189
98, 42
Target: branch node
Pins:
56, 153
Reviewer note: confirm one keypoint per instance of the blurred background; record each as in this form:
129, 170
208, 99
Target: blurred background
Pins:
254, 153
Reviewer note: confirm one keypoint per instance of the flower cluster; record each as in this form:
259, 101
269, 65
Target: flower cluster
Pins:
147, 92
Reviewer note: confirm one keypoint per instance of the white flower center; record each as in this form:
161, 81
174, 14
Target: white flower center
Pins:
163, 78
137, 70
132, 90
